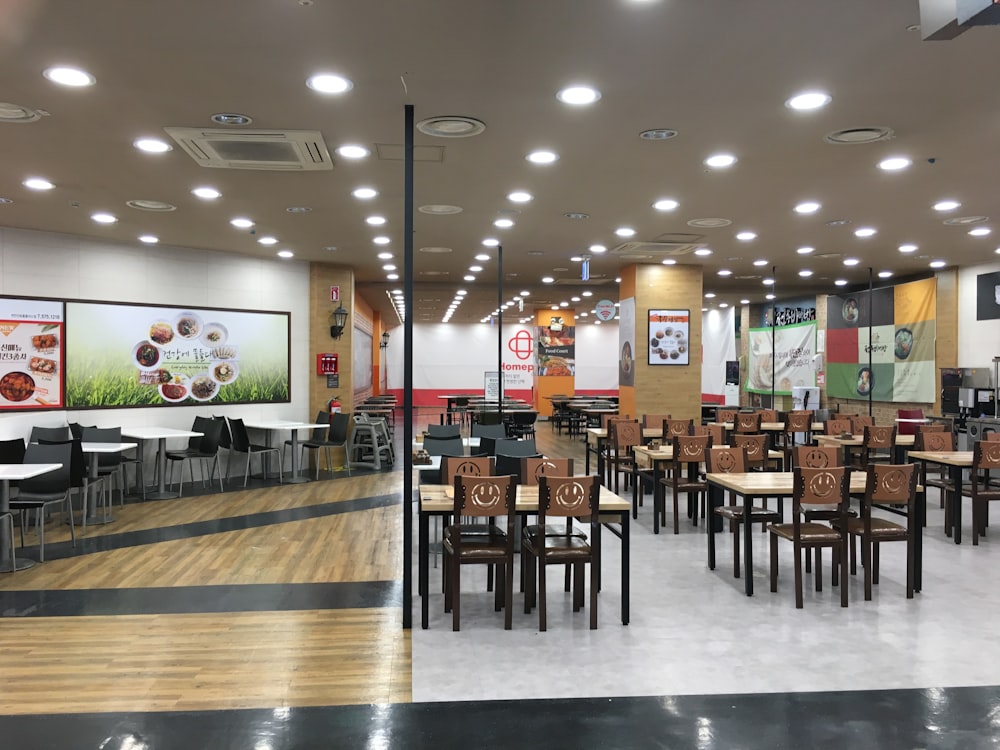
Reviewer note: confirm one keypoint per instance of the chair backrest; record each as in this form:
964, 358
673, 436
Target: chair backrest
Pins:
798, 421
725, 416
568, 496
654, 420
473, 466
238, 433
489, 417
726, 460
226, 439
748, 422
891, 484
79, 466
932, 427
909, 428
986, 456
444, 430
859, 422
607, 419
524, 418
992, 436
816, 456
444, 446
934, 441
533, 468
700, 429
509, 465
623, 435
212, 437
755, 446
12, 451
768, 415
882, 437
485, 496
340, 428
52, 482
718, 433
198, 425
494, 431
837, 426
76, 430
49, 434
672, 427
104, 435
510, 447
827, 486
689, 449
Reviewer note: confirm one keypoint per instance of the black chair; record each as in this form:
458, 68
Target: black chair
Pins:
520, 448
495, 431
109, 465
489, 417
336, 435
444, 430
523, 423
204, 448
242, 444
49, 435
511, 465
51, 488
488, 445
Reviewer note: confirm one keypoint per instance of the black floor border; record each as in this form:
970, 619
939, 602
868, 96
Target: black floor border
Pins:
168, 600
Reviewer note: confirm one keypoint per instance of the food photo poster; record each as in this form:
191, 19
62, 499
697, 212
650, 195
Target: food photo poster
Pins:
31, 354
669, 337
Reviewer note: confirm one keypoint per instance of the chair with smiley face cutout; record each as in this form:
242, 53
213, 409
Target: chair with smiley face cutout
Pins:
985, 459
815, 488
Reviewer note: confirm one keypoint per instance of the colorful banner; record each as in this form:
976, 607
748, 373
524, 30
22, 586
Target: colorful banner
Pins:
894, 327
789, 363
31, 354
626, 342
136, 355
556, 349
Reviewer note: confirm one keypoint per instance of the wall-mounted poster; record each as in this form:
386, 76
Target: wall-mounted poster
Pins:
31, 354
785, 364
626, 342
988, 296
142, 355
669, 337
556, 348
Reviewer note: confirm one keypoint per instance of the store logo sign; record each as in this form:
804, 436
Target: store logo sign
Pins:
522, 344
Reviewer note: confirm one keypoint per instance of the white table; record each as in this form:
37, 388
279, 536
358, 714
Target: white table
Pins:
8, 473
94, 450
293, 427
161, 434
467, 443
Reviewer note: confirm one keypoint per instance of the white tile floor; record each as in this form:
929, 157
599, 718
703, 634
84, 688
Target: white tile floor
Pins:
693, 631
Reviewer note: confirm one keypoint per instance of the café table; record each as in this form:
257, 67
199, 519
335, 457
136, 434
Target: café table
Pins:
597, 437
956, 461
437, 500
853, 442
95, 450
10, 473
274, 425
161, 435
766, 426
780, 484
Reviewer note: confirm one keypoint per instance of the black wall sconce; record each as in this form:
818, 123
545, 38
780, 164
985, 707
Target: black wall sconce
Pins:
384, 343
338, 319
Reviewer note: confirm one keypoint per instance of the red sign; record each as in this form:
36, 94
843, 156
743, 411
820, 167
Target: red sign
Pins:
335, 294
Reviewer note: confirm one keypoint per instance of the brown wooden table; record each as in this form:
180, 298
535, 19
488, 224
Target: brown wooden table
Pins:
955, 461
853, 442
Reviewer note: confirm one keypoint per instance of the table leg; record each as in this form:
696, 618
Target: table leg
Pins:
295, 478
625, 568
20, 563
586, 456
747, 545
956, 503
423, 552
659, 491
715, 499
918, 543
91, 510
161, 464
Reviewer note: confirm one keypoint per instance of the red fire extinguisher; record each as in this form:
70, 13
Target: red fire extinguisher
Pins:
334, 406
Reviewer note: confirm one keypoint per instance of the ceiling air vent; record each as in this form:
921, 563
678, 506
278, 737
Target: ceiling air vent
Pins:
653, 250
274, 150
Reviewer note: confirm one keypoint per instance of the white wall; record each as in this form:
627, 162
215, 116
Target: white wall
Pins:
45, 264
718, 337
978, 340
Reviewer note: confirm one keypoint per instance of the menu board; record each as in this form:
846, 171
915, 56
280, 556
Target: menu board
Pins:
142, 355
669, 341
31, 354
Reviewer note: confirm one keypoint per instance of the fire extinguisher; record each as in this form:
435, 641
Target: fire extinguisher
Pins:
334, 406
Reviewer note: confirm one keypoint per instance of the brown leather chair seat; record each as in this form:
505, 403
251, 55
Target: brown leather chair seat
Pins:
882, 529
808, 532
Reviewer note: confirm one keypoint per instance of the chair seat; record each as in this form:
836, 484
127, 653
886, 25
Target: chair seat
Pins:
735, 513
478, 548
474, 533
25, 499
809, 532
534, 530
685, 486
181, 455
562, 547
881, 528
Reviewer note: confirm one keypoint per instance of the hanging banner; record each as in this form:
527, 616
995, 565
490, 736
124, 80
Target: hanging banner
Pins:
556, 348
789, 363
896, 329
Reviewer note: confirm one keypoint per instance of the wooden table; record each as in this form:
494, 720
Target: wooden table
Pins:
160, 434
780, 484
596, 437
435, 501
94, 450
857, 441
280, 424
9, 473
955, 461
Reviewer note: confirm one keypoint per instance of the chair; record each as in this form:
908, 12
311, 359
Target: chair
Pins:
242, 444
815, 487
796, 423
370, 444
441, 447
726, 416
879, 442
886, 484
204, 448
520, 448
654, 420
336, 435
674, 427
473, 466
908, 428
489, 417
50, 435
814, 457
485, 498
109, 465
730, 460
937, 476
985, 458
523, 423
444, 430
747, 422
562, 497
534, 467
768, 415
622, 438
859, 422
52, 488
458, 408
494, 431
510, 466
837, 427
7, 517
689, 451
718, 433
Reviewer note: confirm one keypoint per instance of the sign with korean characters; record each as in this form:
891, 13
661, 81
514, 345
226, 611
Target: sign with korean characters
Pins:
32, 354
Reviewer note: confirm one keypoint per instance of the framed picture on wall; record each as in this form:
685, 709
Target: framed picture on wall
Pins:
669, 337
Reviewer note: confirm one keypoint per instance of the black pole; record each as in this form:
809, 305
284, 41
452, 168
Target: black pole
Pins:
774, 320
500, 327
407, 504
871, 372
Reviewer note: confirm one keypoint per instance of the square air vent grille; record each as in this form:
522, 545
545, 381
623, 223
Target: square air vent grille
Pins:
273, 150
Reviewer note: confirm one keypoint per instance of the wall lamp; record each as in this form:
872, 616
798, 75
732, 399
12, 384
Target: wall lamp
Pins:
384, 343
338, 319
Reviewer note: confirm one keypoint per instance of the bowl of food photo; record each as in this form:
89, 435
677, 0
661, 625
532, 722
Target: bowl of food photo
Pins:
175, 390
146, 356
224, 372
214, 334
202, 387
903, 343
188, 325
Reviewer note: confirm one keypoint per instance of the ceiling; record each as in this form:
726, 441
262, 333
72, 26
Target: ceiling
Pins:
717, 72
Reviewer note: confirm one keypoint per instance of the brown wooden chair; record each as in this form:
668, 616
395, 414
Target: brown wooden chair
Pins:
700, 429
532, 470
758, 455
485, 498
732, 460
935, 476
607, 419
768, 415
932, 427
837, 427
718, 433
796, 423
985, 458
992, 437
473, 466
859, 422
690, 451
747, 423
654, 420
563, 497
879, 442
815, 457
674, 427
622, 438
813, 488
726, 416
886, 484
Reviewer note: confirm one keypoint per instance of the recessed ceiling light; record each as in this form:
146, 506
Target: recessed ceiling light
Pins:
809, 100
625, 232
894, 163
588, 293
469, 277
384, 256
389, 267
578, 95
959, 221
723, 304
519, 196
658, 134
805, 273
525, 293
353, 151
838, 222
768, 296
760, 262
286, 254
564, 304
709, 295
884, 274
574, 299
491, 242
103, 218
152, 145
703, 251
720, 161
669, 262
330, 248
744, 302
482, 257
666, 204
206, 193
618, 280
392, 276
851, 261
241, 223
841, 282
364, 193
329, 83
724, 272
375, 221
542, 157
938, 264
547, 279
597, 249
461, 292
908, 248
865, 232
476, 269
746, 236
268, 240
807, 207
806, 250
19, 114
149, 239
38, 183
65, 76
768, 282
947, 205
980, 231
712, 222
381, 240
577, 258
503, 223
